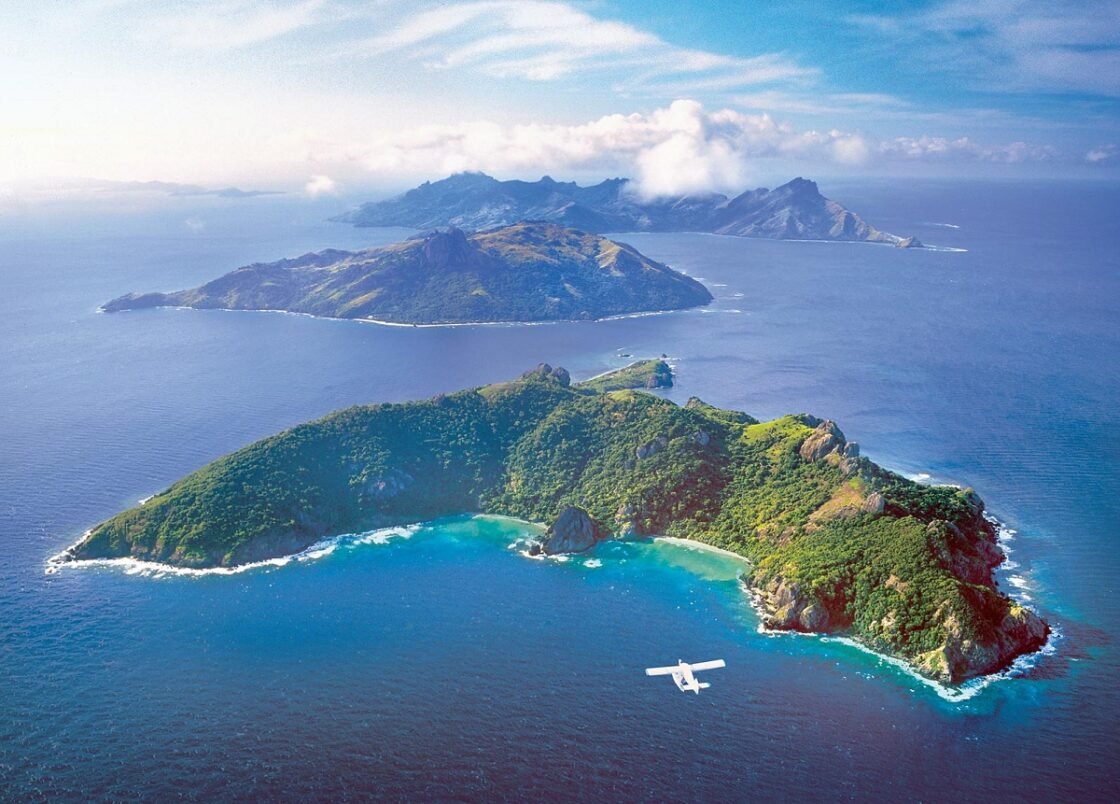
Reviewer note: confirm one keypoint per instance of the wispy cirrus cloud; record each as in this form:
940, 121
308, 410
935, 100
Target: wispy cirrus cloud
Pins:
236, 23
1016, 45
534, 40
543, 41
197, 24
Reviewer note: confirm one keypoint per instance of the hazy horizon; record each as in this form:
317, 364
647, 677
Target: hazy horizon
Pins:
321, 97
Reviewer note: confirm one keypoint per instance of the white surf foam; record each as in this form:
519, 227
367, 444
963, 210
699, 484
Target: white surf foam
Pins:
153, 569
444, 325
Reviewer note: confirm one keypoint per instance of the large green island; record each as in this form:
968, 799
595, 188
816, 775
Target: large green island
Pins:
836, 544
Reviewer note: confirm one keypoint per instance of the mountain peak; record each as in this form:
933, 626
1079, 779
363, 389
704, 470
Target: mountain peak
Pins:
467, 178
801, 186
447, 246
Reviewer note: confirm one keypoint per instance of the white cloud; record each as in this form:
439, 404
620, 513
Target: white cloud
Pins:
1102, 154
544, 41
319, 185
930, 149
682, 148
232, 23
195, 224
817, 103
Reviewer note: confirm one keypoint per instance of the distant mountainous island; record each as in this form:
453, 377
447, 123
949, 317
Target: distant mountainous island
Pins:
794, 211
523, 272
836, 543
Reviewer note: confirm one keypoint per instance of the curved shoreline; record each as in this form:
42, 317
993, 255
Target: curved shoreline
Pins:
692, 544
136, 566
953, 694
435, 325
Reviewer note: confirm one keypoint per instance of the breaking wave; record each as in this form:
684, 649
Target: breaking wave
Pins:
154, 569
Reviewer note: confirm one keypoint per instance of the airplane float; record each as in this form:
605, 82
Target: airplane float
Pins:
682, 673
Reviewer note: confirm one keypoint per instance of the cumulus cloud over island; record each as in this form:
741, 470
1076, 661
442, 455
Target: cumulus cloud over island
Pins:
680, 148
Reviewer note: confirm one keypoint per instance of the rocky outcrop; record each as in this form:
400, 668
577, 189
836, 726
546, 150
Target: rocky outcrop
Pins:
387, 485
825, 439
626, 519
651, 447
787, 607
559, 374
965, 655
661, 376
874, 503
448, 249
573, 531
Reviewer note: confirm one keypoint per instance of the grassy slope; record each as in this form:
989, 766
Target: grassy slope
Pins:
837, 544
639, 374
524, 272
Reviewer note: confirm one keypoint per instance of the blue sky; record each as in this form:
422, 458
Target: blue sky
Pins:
324, 95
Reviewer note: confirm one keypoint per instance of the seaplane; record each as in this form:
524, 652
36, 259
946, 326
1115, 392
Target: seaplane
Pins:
683, 673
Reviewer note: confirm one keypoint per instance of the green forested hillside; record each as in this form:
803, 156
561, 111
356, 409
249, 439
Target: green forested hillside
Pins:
837, 544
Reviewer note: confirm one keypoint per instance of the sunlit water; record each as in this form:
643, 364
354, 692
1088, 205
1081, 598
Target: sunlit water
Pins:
439, 662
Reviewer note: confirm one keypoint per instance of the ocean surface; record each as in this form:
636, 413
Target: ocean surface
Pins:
437, 661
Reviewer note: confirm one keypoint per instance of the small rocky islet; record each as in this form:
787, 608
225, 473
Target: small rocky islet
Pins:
836, 544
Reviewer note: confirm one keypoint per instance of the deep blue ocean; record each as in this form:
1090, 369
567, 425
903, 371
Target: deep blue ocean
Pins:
439, 663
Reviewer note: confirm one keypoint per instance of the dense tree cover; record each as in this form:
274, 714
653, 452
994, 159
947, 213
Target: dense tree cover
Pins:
905, 567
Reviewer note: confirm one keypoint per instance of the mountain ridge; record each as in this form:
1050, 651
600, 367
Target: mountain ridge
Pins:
794, 211
530, 271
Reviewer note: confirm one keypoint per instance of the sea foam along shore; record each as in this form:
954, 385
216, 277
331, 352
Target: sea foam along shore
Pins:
437, 325
325, 547
153, 569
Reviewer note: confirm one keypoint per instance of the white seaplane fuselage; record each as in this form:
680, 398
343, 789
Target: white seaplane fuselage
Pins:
684, 676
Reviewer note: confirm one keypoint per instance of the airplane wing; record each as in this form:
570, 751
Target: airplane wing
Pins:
712, 665
662, 671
